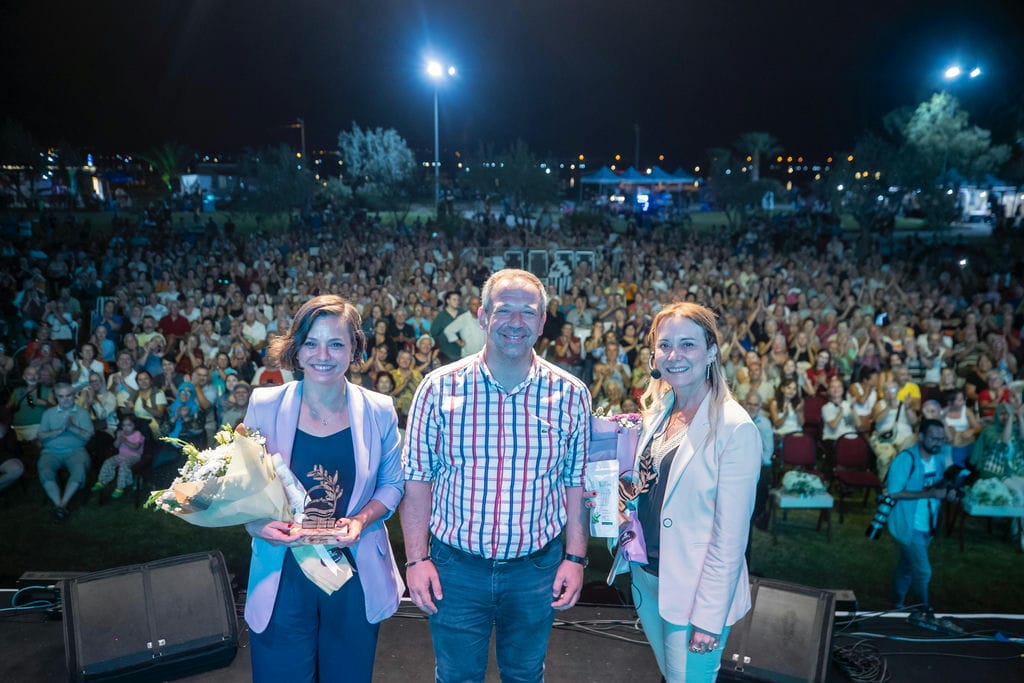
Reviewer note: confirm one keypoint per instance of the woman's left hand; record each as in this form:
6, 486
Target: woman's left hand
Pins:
702, 643
349, 531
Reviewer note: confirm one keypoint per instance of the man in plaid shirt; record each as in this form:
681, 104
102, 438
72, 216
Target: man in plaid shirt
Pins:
494, 458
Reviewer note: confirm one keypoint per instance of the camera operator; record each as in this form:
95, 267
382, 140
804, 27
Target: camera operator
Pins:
911, 483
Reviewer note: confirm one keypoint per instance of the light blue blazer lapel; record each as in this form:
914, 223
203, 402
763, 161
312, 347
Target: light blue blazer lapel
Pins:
360, 416
287, 420
695, 438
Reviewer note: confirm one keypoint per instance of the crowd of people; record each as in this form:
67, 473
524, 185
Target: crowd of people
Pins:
148, 324
149, 334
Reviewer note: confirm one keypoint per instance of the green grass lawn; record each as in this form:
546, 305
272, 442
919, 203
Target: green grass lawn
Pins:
984, 578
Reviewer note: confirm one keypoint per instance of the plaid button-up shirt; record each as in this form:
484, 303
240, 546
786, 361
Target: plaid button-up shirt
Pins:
499, 459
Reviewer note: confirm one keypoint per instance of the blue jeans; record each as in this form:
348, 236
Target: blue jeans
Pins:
313, 636
671, 642
913, 570
512, 597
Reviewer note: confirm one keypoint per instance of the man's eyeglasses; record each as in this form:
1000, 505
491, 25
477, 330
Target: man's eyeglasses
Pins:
65, 395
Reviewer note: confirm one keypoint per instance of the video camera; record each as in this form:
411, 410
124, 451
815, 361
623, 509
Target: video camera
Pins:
955, 478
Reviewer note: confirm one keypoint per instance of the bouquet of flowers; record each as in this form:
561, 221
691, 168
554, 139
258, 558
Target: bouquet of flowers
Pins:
800, 483
990, 492
232, 483
615, 438
236, 482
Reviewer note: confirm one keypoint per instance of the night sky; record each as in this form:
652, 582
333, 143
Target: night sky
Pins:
567, 77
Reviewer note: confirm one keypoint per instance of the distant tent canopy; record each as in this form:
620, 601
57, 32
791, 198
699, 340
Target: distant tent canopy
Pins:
631, 176
605, 176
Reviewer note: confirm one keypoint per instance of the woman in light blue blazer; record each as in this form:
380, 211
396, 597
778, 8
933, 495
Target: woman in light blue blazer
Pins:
698, 459
333, 435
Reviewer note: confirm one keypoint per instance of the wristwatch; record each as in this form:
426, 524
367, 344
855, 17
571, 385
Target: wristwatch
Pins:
584, 561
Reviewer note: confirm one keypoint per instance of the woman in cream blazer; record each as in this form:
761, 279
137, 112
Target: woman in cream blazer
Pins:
698, 459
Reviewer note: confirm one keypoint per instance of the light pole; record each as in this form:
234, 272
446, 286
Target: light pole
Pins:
436, 73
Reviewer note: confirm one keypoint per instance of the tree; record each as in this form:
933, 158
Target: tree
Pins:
380, 167
515, 174
737, 197
169, 160
276, 181
940, 134
861, 187
19, 149
755, 144
939, 139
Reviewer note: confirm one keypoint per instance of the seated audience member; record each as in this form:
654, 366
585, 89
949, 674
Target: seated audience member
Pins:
123, 383
863, 394
63, 432
233, 410
764, 427
816, 377
838, 417
129, 440
567, 350
962, 427
100, 403
893, 427
997, 392
406, 378
27, 404
185, 419
150, 403
84, 364
999, 451
786, 410
608, 392
189, 356
173, 326
426, 357
105, 349
271, 373
931, 410
908, 390
11, 464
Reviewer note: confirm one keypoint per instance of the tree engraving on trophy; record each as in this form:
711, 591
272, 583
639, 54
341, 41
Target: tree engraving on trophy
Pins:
321, 500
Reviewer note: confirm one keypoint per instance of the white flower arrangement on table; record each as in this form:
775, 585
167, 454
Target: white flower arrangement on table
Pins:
800, 483
990, 492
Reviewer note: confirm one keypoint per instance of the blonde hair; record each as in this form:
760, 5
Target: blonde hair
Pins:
653, 401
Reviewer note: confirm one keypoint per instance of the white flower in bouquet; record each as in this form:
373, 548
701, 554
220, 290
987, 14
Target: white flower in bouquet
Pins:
990, 492
802, 483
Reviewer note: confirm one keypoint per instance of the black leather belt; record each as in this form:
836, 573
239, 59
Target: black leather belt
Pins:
473, 556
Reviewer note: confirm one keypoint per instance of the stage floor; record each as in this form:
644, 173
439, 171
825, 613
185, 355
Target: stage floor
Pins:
590, 643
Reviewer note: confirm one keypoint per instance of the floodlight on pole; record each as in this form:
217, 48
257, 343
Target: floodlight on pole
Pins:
975, 72
952, 72
437, 72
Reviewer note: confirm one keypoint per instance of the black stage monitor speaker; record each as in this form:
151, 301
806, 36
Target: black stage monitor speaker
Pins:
786, 637
155, 621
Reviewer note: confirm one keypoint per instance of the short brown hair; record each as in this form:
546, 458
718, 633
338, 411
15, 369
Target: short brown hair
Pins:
285, 349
